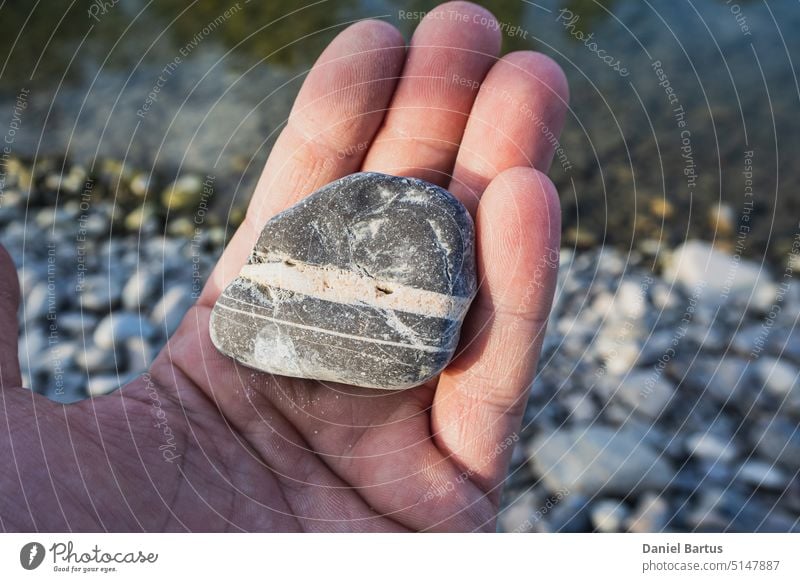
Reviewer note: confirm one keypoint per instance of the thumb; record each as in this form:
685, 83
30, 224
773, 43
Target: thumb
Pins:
9, 302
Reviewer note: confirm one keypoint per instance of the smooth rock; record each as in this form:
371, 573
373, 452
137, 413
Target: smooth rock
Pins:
100, 292
518, 517
762, 474
31, 345
139, 185
711, 447
97, 359
729, 379
119, 327
184, 193
41, 300
69, 387
609, 515
652, 515
140, 289
103, 384
780, 379
714, 275
568, 514
365, 282
599, 459
140, 354
645, 391
778, 440
76, 323
170, 309
143, 219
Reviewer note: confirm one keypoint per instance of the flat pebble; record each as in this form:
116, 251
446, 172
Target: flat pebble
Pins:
365, 282
117, 328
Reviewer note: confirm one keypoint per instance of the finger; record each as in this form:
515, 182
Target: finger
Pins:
334, 119
516, 121
9, 303
481, 396
451, 51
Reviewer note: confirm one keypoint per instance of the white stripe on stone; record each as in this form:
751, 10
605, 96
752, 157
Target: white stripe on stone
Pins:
422, 348
351, 288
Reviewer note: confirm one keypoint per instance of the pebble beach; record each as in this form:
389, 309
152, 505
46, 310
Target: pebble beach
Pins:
666, 400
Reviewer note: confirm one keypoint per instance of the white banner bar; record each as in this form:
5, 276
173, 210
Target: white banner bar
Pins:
354, 557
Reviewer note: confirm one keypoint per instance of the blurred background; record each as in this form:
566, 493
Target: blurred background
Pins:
667, 397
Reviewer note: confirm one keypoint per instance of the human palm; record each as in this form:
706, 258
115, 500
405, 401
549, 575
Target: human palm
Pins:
203, 443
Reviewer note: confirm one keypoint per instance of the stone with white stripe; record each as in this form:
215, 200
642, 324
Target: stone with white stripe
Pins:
365, 282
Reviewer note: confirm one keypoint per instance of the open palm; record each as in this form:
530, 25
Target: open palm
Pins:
202, 443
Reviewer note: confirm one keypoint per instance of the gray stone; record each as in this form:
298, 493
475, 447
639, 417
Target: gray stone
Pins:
68, 387
41, 300
185, 193
170, 309
100, 385
96, 359
568, 513
100, 292
31, 345
117, 328
609, 515
780, 379
778, 440
140, 289
76, 323
140, 354
652, 515
365, 282
645, 391
711, 447
599, 459
761, 474
716, 275
518, 517
729, 379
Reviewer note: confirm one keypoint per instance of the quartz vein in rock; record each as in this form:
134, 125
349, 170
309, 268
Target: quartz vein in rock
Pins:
364, 282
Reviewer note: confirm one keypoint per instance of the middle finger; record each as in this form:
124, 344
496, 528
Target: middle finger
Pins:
450, 53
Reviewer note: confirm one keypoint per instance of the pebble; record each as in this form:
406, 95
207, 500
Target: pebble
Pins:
117, 328
714, 274
711, 447
100, 293
609, 515
778, 440
140, 354
519, 516
100, 385
762, 474
780, 378
598, 459
143, 220
41, 300
569, 514
171, 308
183, 194
97, 359
644, 391
140, 289
365, 282
76, 323
652, 515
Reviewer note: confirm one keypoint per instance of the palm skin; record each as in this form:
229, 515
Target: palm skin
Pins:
201, 443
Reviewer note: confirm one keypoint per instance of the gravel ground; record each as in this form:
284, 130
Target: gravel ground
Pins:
667, 396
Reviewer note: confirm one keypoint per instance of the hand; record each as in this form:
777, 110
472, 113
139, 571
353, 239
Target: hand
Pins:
202, 443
